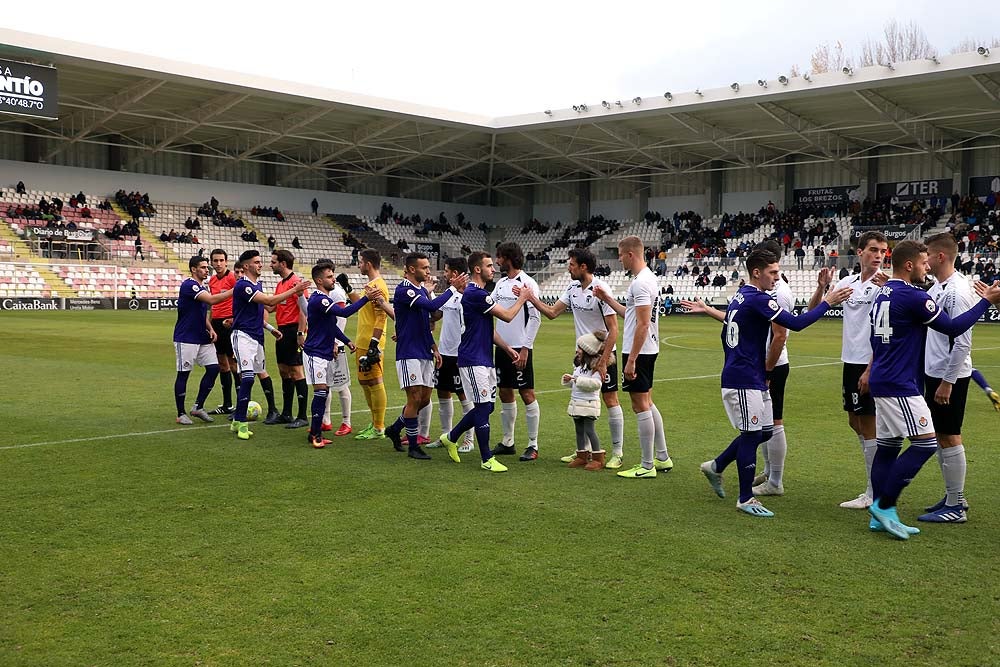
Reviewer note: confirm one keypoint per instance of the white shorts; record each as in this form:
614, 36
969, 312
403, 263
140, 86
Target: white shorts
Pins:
479, 383
189, 354
748, 409
249, 353
902, 417
317, 369
415, 372
341, 375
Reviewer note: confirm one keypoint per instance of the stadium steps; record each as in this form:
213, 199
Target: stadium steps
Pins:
166, 253
52, 281
19, 246
378, 242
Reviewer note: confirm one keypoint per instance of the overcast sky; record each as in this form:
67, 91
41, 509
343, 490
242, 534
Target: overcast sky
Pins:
503, 58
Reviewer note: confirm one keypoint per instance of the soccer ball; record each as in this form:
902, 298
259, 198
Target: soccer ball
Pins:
253, 411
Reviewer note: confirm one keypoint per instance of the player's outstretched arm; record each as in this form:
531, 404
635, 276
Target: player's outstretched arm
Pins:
347, 311
606, 297
959, 325
800, 322
275, 299
823, 280
698, 306
212, 299
508, 314
421, 302
551, 312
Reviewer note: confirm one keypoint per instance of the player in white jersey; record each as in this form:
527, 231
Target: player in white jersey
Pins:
341, 381
640, 346
590, 314
856, 350
519, 334
447, 379
947, 370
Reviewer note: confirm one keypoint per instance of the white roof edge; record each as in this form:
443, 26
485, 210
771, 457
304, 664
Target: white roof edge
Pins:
128, 60
903, 73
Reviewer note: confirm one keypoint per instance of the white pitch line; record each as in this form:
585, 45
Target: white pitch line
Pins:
115, 436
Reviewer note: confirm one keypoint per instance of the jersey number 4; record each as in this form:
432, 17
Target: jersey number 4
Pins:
882, 326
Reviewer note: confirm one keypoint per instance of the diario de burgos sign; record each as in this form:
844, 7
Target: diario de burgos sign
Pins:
28, 90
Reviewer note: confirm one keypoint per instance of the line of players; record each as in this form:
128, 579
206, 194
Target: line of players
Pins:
591, 304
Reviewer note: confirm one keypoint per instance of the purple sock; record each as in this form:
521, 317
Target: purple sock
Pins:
207, 383
318, 410
412, 431
243, 397
885, 456
180, 390
746, 461
905, 469
396, 427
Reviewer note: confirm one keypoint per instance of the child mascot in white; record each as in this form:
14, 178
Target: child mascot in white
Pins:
585, 400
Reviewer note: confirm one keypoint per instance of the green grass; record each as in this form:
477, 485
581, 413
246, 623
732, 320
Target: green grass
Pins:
177, 546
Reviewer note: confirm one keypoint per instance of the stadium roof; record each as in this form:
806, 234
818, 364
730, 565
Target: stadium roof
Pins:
151, 105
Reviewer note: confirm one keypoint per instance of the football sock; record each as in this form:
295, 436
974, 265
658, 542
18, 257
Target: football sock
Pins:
868, 448
237, 378
532, 415
227, 388
318, 408
180, 390
396, 427
483, 440
953, 466
616, 423
746, 460
287, 392
302, 392
446, 411
243, 397
368, 397
467, 407
345, 404
885, 455
412, 425
647, 428
508, 415
424, 420
905, 469
727, 456
379, 401
268, 387
205, 388
659, 436
776, 448
326, 408
981, 381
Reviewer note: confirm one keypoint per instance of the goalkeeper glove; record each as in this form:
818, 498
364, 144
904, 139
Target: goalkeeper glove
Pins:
344, 282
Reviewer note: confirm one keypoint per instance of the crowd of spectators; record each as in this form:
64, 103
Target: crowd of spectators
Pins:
121, 230
268, 212
48, 213
135, 204
192, 223
249, 235
425, 226
183, 237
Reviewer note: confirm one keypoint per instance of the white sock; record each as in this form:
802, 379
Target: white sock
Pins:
953, 470
467, 406
326, 410
532, 415
659, 437
868, 448
616, 423
424, 420
446, 410
767, 461
776, 449
508, 415
345, 404
647, 432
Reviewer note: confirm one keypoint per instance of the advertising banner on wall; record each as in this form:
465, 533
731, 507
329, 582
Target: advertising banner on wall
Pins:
432, 250
980, 186
891, 232
61, 234
28, 90
832, 196
910, 190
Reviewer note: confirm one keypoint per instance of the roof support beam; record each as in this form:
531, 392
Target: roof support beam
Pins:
580, 163
111, 107
361, 137
924, 134
807, 131
409, 158
448, 174
716, 136
195, 119
285, 127
988, 86
634, 142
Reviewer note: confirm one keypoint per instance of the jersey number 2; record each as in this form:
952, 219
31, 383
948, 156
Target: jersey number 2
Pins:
882, 326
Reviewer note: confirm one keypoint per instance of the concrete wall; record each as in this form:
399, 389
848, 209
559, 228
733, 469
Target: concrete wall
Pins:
749, 202
668, 205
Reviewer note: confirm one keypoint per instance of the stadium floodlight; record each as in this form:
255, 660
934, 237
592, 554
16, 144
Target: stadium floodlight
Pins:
668, 96
807, 76
605, 104
983, 51
783, 80
762, 83
548, 112
735, 86
583, 107
890, 66
637, 100
934, 59
697, 91
618, 103
576, 108
848, 70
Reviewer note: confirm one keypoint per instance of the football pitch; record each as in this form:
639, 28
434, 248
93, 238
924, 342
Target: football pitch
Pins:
128, 540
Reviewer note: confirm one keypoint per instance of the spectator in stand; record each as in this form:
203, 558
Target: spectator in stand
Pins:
81, 198
138, 249
271, 242
669, 289
818, 257
315, 206
85, 212
800, 257
719, 280
20, 188
58, 204
834, 257
296, 244
214, 204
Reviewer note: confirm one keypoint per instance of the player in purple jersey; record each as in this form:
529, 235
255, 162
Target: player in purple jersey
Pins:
321, 347
193, 339
475, 357
249, 300
747, 324
416, 351
900, 317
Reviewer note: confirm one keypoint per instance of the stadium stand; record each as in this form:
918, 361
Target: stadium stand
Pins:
22, 280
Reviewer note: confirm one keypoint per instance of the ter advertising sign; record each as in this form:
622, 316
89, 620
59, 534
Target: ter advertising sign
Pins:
910, 190
28, 90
